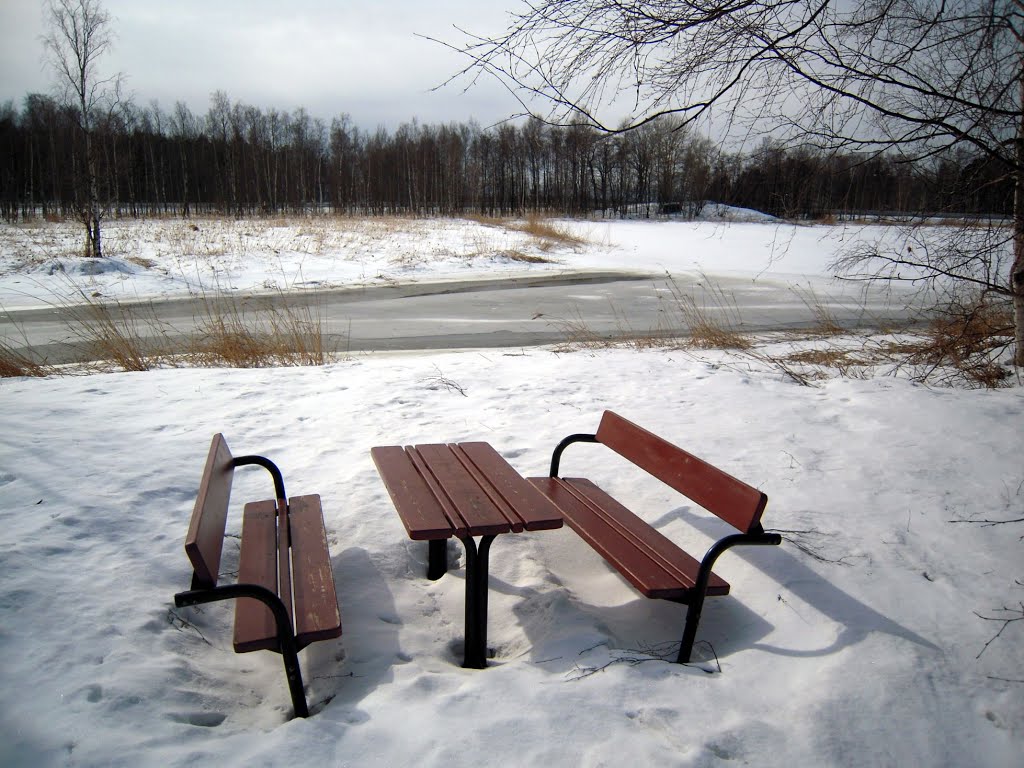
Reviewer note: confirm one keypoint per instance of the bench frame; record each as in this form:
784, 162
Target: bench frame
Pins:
204, 544
730, 499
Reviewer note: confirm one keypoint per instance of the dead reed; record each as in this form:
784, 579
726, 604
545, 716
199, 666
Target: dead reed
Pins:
14, 362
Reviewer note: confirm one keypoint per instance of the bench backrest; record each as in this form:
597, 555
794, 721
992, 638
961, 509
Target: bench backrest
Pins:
734, 501
205, 538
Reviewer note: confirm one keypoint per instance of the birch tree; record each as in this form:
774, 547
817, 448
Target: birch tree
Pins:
78, 37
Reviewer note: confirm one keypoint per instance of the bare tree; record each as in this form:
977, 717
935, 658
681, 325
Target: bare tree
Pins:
79, 34
912, 77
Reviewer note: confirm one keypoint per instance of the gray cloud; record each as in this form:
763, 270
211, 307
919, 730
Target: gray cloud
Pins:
363, 58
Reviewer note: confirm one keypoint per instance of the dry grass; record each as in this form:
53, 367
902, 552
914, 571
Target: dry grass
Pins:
579, 335
526, 258
115, 337
825, 322
19, 361
547, 234
965, 343
958, 349
486, 221
852, 360
273, 335
831, 357
714, 322
14, 362
142, 261
707, 332
129, 338
225, 338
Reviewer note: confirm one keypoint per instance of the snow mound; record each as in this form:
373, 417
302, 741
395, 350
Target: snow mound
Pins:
84, 267
721, 212
697, 210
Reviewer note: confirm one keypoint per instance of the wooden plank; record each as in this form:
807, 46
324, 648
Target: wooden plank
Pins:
531, 508
734, 501
479, 513
647, 559
205, 538
504, 508
647, 575
316, 603
656, 544
284, 559
255, 628
458, 526
417, 506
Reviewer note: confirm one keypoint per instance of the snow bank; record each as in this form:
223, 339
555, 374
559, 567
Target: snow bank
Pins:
871, 655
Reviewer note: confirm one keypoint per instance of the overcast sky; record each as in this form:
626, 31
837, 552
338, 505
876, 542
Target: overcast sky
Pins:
329, 56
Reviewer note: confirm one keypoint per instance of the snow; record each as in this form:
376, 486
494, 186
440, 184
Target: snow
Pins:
879, 651
41, 262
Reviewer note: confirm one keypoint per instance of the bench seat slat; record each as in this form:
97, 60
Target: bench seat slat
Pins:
421, 513
529, 507
255, 628
316, 604
647, 559
284, 560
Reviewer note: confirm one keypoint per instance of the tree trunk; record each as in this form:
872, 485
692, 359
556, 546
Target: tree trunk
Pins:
94, 214
1017, 270
1017, 276
97, 246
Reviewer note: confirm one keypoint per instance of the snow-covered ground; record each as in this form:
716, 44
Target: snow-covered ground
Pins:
40, 262
882, 631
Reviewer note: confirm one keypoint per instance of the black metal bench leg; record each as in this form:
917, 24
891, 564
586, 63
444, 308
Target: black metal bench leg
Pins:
476, 601
294, 674
437, 558
700, 590
285, 635
693, 611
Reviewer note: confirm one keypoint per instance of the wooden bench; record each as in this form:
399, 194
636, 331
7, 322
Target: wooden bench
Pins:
646, 558
285, 588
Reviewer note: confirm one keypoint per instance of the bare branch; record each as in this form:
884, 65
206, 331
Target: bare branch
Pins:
1005, 623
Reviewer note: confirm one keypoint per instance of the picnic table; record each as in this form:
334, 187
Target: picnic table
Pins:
463, 491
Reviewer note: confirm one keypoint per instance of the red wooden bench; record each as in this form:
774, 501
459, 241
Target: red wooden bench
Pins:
285, 589
646, 558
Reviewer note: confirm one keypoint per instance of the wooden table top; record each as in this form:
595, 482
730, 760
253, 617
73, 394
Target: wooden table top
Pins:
461, 489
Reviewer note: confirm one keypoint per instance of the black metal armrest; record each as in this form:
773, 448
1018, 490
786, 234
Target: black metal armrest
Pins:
556, 457
267, 464
725, 544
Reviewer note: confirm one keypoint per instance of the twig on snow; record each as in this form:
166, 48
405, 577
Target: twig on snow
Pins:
634, 657
1006, 623
180, 624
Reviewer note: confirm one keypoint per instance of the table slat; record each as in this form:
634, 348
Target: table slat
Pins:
421, 512
481, 479
475, 508
533, 510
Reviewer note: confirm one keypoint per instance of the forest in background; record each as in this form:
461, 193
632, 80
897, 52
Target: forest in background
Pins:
239, 160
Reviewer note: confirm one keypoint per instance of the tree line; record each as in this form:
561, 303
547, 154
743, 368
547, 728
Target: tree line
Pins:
238, 159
